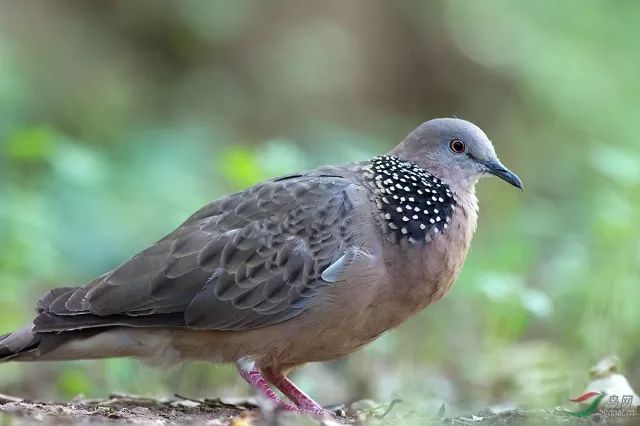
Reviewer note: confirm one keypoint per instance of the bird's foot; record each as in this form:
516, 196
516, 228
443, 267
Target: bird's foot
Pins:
303, 403
252, 376
311, 412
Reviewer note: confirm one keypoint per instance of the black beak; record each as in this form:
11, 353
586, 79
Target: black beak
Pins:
496, 168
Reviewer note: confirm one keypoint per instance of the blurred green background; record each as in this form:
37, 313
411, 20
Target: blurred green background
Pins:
119, 119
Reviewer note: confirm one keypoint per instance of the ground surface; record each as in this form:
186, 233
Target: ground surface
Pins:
121, 409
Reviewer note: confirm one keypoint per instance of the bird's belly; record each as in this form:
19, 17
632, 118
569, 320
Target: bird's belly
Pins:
343, 329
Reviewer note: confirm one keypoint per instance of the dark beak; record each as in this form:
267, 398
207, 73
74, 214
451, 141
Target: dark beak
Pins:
496, 168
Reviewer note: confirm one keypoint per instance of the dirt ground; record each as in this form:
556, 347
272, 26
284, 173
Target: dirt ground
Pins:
123, 409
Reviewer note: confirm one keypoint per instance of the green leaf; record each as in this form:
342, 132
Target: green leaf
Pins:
29, 144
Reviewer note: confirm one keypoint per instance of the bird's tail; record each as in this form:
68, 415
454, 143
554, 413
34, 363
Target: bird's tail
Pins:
28, 345
19, 345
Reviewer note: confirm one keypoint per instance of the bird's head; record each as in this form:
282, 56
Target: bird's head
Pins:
456, 151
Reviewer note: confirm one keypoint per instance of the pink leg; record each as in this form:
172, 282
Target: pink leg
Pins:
291, 391
251, 374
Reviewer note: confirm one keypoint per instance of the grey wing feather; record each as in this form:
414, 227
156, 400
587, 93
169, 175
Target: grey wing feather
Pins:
249, 260
335, 270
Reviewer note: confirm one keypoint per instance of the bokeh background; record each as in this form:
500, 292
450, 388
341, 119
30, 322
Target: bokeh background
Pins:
118, 119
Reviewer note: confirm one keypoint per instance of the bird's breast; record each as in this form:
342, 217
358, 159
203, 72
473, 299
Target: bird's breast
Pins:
424, 274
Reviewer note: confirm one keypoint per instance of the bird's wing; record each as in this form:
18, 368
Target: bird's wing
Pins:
245, 261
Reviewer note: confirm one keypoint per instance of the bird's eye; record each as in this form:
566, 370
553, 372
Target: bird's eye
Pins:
457, 146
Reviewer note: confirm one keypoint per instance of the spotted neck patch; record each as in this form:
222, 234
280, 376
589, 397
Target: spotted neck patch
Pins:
414, 204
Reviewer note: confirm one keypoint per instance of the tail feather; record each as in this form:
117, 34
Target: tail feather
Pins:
18, 343
52, 337
28, 345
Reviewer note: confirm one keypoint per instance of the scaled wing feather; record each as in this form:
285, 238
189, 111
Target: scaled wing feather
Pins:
249, 260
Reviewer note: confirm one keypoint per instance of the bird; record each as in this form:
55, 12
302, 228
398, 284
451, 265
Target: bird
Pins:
307, 267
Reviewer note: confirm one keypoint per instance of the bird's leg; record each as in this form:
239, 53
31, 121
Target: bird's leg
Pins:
252, 375
291, 391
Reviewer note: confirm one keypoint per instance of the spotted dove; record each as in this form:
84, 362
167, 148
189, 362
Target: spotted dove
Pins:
306, 267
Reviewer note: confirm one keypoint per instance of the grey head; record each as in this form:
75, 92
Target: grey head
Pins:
456, 151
